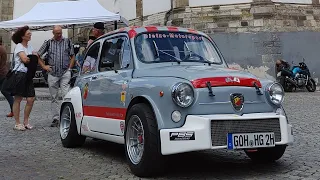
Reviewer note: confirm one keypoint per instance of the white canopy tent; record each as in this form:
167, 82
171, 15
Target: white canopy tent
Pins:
68, 14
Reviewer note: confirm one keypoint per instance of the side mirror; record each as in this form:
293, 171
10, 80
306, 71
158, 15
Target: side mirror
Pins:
106, 64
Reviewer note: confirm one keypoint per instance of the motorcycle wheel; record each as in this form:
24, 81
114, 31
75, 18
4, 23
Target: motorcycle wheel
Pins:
311, 85
286, 86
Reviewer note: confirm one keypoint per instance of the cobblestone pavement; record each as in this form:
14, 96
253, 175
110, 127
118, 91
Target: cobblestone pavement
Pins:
38, 154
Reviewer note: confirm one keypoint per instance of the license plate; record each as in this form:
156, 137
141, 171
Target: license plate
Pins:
250, 140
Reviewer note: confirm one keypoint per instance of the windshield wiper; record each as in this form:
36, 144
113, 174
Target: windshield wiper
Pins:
204, 59
157, 51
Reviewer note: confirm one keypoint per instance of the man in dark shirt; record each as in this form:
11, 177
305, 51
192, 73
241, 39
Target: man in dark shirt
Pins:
61, 58
4, 68
284, 67
97, 31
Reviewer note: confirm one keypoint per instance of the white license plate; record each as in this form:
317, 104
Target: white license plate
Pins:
250, 140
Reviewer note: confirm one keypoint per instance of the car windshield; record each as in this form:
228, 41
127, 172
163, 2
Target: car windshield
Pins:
157, 47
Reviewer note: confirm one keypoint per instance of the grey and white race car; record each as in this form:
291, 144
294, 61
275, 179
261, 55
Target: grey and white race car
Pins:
168, 90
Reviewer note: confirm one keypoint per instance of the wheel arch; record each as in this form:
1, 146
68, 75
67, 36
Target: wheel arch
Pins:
75, 99
147, 100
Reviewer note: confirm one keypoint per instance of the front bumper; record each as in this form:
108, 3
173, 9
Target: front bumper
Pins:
204, 137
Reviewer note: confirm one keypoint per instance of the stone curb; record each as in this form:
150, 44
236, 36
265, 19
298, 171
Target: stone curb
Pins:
38, 98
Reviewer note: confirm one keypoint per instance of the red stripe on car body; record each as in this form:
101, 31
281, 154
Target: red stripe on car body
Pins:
132, 33
151, 28
105, 112
223, 81
193, 31
172, 28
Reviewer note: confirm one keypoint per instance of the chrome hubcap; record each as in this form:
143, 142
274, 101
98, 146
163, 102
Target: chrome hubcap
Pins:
65, 122
135, 139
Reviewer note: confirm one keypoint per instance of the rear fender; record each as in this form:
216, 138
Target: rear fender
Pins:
74, 97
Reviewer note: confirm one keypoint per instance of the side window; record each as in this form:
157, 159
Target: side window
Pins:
112, 53
90, 60
126, 54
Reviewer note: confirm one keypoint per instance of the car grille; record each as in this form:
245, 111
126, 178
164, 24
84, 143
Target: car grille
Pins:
219, 129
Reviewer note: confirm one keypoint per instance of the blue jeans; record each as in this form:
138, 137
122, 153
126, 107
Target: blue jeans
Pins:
6, 95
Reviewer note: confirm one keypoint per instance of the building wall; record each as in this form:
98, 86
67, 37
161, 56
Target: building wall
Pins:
252, 36
6, 12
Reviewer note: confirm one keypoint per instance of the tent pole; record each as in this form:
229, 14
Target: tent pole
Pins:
115, 25
73, 31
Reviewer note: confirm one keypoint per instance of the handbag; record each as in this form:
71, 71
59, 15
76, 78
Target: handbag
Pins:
9, 82
10, 72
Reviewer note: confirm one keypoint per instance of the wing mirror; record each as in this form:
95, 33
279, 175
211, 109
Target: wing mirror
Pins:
107, 64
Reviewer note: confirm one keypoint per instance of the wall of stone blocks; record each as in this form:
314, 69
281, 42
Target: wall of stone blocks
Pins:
6, 13
253, 35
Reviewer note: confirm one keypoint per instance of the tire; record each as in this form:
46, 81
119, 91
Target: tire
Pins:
267, 154
151, 162
311, 85
70, 139
286, 86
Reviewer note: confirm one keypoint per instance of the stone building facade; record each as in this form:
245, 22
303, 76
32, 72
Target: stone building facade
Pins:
6, 13
250, 35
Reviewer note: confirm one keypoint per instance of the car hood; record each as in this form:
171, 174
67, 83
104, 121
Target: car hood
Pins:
199, 73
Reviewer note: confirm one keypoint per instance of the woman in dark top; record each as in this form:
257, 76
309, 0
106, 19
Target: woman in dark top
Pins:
23, 84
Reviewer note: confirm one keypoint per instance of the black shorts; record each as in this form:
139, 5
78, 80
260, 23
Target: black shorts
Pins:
23, 87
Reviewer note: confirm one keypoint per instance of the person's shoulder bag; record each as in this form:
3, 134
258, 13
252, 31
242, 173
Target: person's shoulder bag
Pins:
9, 82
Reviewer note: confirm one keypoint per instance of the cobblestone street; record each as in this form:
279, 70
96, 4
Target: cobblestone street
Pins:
38, 154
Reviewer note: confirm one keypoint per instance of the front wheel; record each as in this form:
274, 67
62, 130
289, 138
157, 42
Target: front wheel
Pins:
69, 135
311, 85
287, 87
267, 154
142, 142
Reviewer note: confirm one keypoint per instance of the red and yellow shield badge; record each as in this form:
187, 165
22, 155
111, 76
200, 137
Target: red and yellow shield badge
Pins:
237, 101
85, 91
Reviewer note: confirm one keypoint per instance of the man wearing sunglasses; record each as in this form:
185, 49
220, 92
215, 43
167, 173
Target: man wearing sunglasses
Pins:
97, 31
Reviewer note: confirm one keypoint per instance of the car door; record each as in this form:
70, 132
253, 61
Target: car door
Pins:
111, 86
88, 73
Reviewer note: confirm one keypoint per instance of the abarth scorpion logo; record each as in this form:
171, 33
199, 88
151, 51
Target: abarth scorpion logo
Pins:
237, 101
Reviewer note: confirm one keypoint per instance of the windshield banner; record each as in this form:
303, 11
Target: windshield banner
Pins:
173, 36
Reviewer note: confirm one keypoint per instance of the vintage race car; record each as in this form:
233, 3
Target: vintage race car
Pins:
168, 90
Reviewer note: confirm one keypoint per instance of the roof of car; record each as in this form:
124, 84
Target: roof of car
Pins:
134, 30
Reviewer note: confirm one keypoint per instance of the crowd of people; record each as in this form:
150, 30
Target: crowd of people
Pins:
16, 81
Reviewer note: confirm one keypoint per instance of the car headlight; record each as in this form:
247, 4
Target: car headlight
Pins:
182, 94
276, 93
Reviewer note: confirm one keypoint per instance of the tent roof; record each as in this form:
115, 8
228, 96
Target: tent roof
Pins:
65, 13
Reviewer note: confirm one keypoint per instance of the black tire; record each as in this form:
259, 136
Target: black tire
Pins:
286, 86
267, 154
311, 85
152, 161
73, 139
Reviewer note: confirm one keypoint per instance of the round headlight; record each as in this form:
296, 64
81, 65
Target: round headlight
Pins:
276, 93
182, 94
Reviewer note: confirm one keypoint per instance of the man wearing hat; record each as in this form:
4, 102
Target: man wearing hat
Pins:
97, 31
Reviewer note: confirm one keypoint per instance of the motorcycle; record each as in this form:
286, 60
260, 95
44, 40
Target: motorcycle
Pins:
297, 77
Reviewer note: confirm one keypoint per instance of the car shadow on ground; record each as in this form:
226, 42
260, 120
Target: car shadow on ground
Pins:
220, 163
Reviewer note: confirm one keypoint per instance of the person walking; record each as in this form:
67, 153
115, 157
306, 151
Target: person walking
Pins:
23, 86
61, 58
4, 69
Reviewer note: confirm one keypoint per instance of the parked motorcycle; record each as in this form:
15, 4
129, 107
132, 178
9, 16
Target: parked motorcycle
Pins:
297, 77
